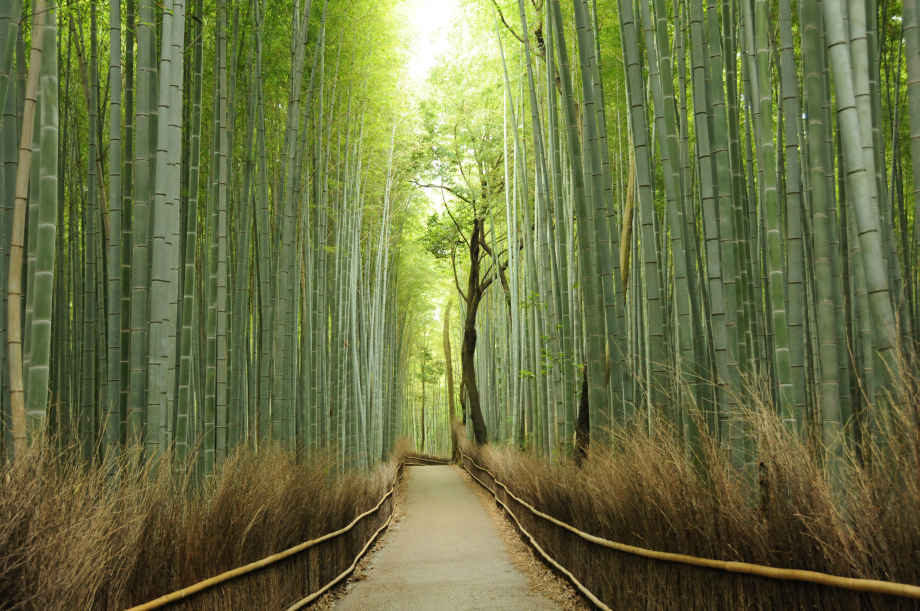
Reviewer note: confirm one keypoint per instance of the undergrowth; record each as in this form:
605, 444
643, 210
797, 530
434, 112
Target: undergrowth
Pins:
645, 492
114, 535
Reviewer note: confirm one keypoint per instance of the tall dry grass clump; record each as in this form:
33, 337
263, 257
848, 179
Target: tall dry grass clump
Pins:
112, 536
861, 521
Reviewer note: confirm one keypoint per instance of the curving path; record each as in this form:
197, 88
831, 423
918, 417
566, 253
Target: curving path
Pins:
447, 554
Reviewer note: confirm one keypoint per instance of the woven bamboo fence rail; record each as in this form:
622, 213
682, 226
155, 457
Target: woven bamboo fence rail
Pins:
503, 496
433, 461
315, 567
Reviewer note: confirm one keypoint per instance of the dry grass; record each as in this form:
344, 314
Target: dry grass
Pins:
71, 538
644, 493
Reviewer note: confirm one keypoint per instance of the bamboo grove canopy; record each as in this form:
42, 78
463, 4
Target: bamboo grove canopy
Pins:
701, 209
198, 245
693, 209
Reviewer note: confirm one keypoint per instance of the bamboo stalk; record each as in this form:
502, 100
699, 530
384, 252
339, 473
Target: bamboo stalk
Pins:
14, 286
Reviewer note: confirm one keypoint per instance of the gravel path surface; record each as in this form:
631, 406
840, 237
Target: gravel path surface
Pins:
447, 554
543, 579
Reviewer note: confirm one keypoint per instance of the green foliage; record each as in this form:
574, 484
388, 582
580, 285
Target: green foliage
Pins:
441, 236
430, 369
460, 139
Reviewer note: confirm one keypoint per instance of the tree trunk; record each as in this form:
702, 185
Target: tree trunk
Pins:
469, 374
449, 372
468, 351
463, 410
422, 446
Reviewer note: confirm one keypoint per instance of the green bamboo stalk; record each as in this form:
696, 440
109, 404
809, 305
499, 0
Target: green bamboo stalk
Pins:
46, 227
265, 256
10, 18
912, 49
822, 202
720, 343
184, 400
220, 239
595, 340
89, 424
774, 262
667, 131
31, 249
791, 109
241, 300
212, 419
853, 127
127, 205
163, 210
602, 197
114, 294
137, 429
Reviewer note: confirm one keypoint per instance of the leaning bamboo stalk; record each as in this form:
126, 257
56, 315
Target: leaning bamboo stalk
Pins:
726, 372
264, 245
556, 404
240, 327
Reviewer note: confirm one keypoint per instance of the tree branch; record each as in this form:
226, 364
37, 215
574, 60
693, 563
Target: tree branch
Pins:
501, 268
456, 224
443, 187
453, 261
510, 29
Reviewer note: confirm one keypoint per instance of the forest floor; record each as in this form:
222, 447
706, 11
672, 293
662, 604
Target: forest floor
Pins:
447, 553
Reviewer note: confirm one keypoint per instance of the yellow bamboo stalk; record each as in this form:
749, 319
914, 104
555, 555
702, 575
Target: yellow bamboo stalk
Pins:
873, 586
14, 286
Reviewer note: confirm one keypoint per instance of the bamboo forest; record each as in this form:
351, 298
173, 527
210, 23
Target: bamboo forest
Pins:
459, 304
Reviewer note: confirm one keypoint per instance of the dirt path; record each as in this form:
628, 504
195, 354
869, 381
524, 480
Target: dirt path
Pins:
447, 554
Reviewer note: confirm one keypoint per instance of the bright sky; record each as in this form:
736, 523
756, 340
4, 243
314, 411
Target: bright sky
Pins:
430, 20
